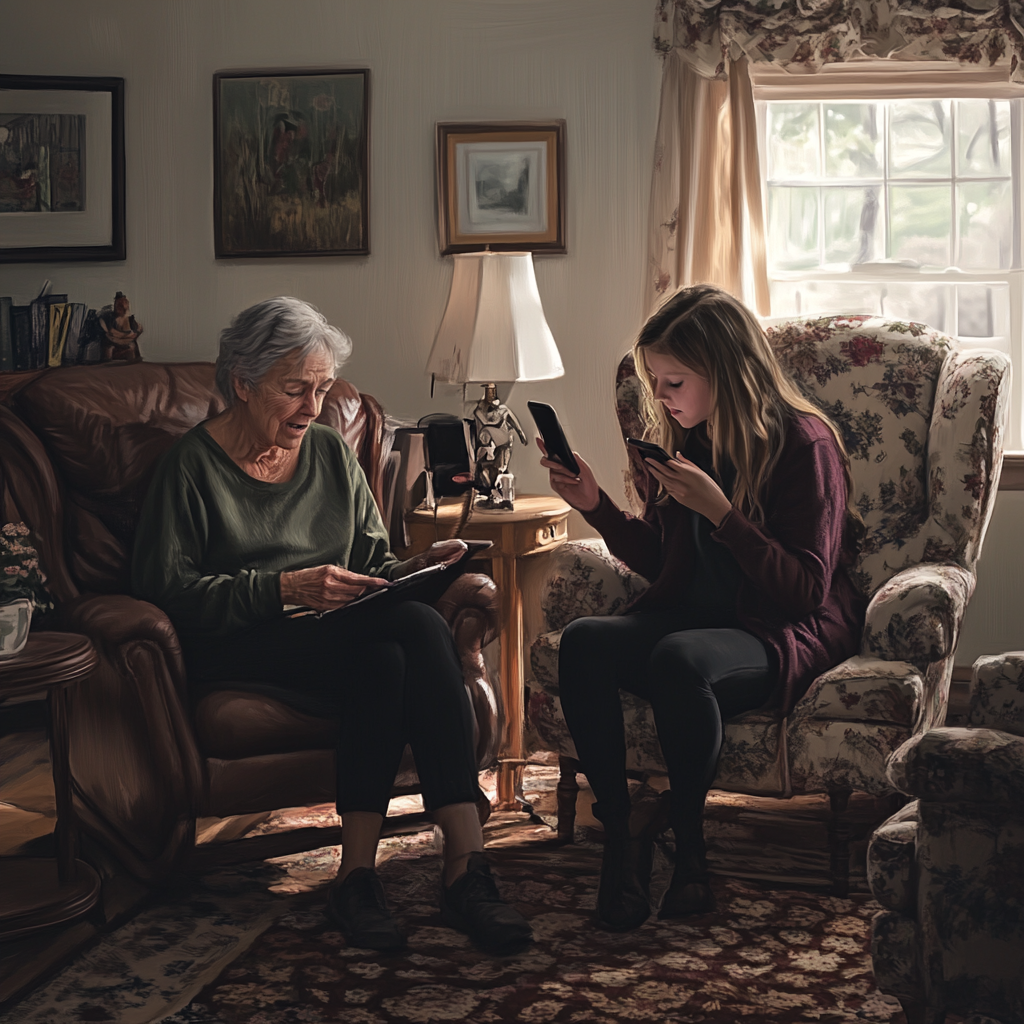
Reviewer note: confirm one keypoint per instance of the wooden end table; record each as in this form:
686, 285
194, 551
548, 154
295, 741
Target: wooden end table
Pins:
536, 524
38, 892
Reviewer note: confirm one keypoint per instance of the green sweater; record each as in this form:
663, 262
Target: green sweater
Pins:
212, 541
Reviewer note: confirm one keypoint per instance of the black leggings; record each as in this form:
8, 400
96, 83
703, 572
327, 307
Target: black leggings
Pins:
390, 678
693, 677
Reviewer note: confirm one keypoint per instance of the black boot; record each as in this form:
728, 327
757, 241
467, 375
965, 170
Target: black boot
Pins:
622, 894
473, 905
689, 892
358, 907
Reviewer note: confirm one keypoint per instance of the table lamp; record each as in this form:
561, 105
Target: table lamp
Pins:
494, 330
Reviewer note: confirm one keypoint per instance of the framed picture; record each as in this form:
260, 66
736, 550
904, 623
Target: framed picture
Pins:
291, 163
501, 186
61, 169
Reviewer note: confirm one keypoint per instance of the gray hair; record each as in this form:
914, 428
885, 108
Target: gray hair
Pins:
262, 334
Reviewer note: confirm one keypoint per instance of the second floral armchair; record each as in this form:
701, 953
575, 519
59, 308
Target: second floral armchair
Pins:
923, 422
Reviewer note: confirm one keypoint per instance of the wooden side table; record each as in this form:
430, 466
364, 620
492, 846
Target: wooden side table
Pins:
537, 524
38, 892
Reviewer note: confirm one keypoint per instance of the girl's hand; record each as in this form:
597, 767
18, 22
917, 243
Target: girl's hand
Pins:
440, 552
692, 487
580, 491
326, 586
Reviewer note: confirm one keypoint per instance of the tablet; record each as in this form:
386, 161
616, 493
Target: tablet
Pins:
425, 585
554, 437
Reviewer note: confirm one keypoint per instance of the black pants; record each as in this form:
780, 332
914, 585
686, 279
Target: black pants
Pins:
693, 677
390, 678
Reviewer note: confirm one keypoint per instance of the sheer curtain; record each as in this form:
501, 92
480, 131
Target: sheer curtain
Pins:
706, 219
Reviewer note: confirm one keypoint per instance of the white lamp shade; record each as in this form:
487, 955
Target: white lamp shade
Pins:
493, 327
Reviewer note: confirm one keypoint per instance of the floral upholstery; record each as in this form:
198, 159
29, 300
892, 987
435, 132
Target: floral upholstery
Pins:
923, 423
948, 867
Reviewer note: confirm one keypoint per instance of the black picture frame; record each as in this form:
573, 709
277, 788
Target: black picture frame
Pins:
102, 182
291, 159
540, 147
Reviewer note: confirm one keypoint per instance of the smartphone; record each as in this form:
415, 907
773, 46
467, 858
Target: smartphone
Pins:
649, 450
554, 437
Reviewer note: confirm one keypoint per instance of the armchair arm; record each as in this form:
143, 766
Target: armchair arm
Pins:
586, 579
964, 766
997, 693
916, 615
137, 773
472, 607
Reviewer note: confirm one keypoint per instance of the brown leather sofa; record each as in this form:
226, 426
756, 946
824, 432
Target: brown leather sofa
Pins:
77, 448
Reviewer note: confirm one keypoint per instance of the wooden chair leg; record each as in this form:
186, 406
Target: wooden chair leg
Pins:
566, 792
839, 842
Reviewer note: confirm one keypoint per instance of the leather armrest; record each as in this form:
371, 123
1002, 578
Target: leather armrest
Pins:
477, 592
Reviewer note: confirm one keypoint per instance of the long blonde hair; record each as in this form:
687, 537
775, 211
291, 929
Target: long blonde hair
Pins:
752, 399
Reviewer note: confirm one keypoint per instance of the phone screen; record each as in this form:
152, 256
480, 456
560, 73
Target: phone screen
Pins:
554, 437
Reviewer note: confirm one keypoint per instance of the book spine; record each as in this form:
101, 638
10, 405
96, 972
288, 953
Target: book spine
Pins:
71, 348
39, 337
21, 336
60, 315
6, 341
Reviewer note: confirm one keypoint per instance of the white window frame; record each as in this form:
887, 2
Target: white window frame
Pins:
889, 80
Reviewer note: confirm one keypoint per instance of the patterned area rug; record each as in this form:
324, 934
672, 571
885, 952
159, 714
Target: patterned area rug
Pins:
252, 946
780, 956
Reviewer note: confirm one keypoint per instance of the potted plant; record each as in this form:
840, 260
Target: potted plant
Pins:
22, 587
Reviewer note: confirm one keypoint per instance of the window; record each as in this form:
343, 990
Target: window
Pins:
905, 207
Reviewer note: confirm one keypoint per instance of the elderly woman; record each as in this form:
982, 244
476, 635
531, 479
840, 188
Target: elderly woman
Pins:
260, 508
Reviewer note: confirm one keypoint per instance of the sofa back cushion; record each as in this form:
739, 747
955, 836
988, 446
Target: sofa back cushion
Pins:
105, 427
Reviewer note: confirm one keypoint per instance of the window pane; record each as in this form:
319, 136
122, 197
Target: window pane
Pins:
853, 141
793, 227
983, 312
811, 298
853, 225
793, 150
919, 139
929, 304
919, 224
986, 222
983, 137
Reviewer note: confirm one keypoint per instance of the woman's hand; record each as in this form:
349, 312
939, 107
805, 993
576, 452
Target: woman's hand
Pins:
692, 487
326, 586
441, 552
580, 491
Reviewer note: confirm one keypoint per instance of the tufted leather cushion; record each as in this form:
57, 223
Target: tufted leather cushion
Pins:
104, 428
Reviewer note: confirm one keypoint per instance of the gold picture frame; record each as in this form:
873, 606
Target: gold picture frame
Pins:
501, 186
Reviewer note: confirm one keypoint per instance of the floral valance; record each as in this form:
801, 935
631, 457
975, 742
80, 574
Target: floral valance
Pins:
812, 33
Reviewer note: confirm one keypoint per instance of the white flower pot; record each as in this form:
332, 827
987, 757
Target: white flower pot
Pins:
15, 619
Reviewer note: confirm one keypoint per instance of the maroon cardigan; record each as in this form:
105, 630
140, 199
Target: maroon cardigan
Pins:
794, 595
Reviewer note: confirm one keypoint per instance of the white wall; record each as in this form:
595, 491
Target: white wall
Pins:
588, 61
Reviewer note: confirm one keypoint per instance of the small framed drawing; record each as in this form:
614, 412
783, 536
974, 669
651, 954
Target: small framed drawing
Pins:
501, 186
61, 169
291, 163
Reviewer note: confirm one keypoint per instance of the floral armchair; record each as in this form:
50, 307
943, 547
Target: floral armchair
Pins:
949, 867
923, 422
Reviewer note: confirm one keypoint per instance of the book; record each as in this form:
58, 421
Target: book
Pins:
90, 348
40, 325
75, 324
6, 341
60, 317
21, 336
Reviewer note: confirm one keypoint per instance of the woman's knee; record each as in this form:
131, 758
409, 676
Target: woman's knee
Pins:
680, 660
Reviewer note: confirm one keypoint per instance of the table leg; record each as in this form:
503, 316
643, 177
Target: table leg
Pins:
59, 760
510, 756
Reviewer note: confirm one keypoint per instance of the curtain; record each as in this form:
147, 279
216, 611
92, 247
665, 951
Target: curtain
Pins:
706, 224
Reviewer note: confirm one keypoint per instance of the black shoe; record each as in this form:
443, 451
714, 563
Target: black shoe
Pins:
689, 892
472, 904
358, 907
622, 894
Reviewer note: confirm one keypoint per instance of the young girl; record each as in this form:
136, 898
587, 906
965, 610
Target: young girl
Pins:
744, 538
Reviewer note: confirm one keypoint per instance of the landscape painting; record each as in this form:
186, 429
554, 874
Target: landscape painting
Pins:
42, 163
291, 163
